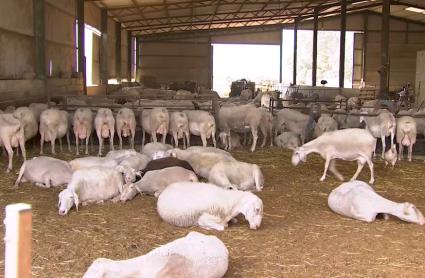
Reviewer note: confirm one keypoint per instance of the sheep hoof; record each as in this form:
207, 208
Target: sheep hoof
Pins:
322, 178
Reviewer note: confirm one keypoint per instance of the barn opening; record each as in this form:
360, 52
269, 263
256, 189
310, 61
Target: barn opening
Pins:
91, 52
258, 63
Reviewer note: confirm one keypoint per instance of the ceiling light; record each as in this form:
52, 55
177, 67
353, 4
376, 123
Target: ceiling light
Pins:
415, 10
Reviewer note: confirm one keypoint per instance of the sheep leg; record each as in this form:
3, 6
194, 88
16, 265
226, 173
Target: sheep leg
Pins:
370, 163
164, 136
99, 136
111, 139
360, 164
400, 151
153, 137
143, 139
60, 144
9, 150
383, 146
133, 133
52, 143
188, 138
213, 139
87, 144
176, 140
254, 132
76, 145
327, 162
209, 221
68, 141
119, 137
204, 139
263, 132
41, 142
410, 152
332, 168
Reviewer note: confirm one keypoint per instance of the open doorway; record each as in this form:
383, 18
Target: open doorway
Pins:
91, 53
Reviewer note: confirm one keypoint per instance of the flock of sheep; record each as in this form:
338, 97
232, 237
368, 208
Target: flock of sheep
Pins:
174, 175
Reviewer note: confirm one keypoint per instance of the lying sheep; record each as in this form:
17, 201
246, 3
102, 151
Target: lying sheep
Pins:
297, 122
237, 175
346, 144
104, 123
358, 200
126, 125
45, 172
235, 140
82, 126
406, 135
11, 136
324, 124
137, 161
90, 185
195, 255
207, 206
290, 140
151, 148
91, 161
120, 155
155, 181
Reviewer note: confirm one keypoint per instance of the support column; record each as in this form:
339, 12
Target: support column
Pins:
294, 74
39, 38
280, 57
315, 31
81, 43
129, 54
385, 38
104, 47
365, 40
137, 59
342, 43
118, 51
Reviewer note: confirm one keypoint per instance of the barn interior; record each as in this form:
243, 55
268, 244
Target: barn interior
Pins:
107, 53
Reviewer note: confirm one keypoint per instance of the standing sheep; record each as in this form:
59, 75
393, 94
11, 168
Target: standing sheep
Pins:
406, 135
324, 124
53, 125
126, 125
153, 121
290, 140
104, 123
202, 123
82, 126
186, 204
179, 128
11, 136
28, 121
195, 255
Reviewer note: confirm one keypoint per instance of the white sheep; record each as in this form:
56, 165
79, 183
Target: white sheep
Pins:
186, 204
126, 125
45, 172
137, 161
237, 175
406, 135
53, 125
154, 182
11, 136
358, 200
346, 144
179, 128
120, 155
28, 121
104, 123
153, 121
90, 185
288, 139
381, 126
195, 255
295, 121
235, 140
82, 126
324, 124
202, 123
91, 161
151, 148
37, 109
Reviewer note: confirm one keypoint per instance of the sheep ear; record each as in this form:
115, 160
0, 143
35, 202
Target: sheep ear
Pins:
76, 200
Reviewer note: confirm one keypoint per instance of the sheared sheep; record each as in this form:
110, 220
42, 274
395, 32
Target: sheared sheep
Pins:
290, 140
104, 123
126, 125
406, 135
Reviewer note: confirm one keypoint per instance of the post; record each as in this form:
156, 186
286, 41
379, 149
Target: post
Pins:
118, 51
129, 55
294, 74
342, 43
280, 57
18, 241
315, 31
39, 38
104, 47
137, 77
211, 65
81, 43
385, 63
365, 40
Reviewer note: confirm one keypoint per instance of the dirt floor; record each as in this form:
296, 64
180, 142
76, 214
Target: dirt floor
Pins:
299, 237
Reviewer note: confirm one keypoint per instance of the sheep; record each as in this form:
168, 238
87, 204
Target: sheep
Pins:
207, 206
201, 162
104, 123
151, 148
37, 109
358, 200
324, 124
381, 126
45, 172
165, 162
290, 140
179, 128
53, 125
120, 155
390, 156
137, 161
153, 121
91, 161
28, 121
237, 175
234, 138
406, 135
266, 127
346, 144
195, 255
126, 125
340, 101
11, 136
90, 185
297, 122
202, 123
354, 103
154, 182
82, 126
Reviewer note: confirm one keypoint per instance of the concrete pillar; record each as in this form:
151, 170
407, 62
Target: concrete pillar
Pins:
385, 39
315, 32
81, 43
365, 40
129, 54
104, 47
118, 51
342, 43
137, 60
294, 74
39, 39
280, 57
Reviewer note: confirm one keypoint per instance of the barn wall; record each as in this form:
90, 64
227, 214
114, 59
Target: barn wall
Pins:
176, 61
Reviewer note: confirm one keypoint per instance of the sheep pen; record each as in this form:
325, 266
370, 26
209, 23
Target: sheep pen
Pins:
299, 237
